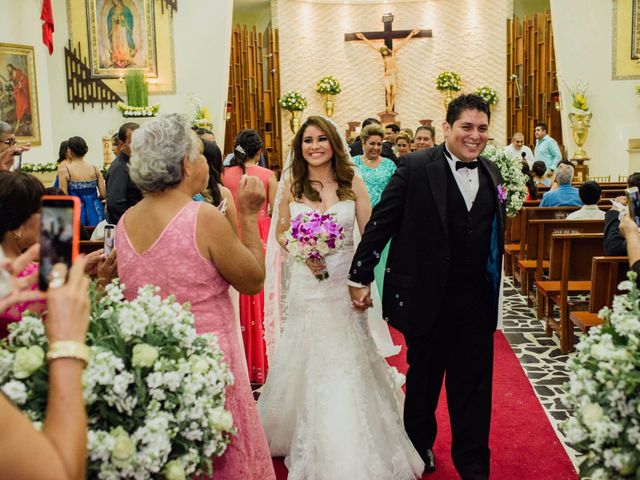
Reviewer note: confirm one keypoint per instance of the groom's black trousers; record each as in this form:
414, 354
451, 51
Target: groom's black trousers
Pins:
459, 348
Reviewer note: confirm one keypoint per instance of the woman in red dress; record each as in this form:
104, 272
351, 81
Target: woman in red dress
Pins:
247, 150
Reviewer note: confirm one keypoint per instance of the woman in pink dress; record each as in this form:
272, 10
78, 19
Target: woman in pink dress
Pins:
188, 249
247, 150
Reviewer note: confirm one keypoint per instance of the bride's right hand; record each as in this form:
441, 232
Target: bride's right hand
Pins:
316, 266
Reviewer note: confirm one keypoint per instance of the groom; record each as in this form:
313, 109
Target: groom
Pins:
446, 221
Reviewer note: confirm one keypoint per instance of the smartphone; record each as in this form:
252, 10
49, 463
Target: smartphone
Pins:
633, 203
5, 277
59, 234
17, 162
109, 239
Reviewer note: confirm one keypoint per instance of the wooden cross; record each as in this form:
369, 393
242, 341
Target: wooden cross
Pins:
388, 34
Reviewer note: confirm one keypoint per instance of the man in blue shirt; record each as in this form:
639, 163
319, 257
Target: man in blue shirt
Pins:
547, 148
565, 195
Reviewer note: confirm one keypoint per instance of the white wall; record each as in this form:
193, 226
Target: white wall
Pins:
202, 36
469, 37
583, 46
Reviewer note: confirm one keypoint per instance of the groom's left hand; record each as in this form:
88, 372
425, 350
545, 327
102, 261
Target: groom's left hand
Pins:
360, 297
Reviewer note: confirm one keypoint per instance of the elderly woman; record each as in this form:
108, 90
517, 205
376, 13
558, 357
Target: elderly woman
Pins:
188, 249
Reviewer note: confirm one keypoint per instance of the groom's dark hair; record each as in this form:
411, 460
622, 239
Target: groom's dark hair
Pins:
466, 102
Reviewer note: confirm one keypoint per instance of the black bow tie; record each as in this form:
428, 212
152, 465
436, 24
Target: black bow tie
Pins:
469, 165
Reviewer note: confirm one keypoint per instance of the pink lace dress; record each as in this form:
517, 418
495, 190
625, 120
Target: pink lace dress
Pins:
174, 264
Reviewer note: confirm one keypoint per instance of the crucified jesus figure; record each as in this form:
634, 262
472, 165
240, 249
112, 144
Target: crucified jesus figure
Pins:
390, 66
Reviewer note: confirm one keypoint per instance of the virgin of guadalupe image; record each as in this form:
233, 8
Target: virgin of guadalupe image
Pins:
120, 23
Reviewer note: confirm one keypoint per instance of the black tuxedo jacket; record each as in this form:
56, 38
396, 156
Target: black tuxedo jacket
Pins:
412, 213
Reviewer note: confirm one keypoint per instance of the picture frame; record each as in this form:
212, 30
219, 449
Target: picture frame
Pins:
121, 37
19, 92
635, 35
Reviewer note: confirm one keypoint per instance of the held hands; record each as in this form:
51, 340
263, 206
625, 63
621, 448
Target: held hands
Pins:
360, 297
251, 195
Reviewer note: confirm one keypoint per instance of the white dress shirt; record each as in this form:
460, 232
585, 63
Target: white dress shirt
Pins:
511, 150
587, 212
468, 180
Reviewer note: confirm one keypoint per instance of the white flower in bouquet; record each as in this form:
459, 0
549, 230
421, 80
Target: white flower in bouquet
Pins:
513, 189
602, 391
154, 389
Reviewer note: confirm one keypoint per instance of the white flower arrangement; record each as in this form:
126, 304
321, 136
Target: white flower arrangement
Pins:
328, 86
129, 111
604, 380
514, 183
449, 81
293, 101
202, 117
39, 167
488, 94
154, 390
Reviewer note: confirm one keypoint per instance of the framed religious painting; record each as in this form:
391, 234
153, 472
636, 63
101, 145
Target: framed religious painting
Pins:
18, 92
121, 37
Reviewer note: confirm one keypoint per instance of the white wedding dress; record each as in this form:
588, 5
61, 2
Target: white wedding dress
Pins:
330, 403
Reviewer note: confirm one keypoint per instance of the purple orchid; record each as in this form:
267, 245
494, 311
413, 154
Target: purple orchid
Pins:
502, 193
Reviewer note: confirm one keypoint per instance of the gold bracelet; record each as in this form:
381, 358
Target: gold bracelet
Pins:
68, 349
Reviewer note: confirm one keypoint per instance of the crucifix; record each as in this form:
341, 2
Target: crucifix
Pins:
388, 52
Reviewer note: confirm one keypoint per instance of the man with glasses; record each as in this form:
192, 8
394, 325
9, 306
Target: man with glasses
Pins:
8, 147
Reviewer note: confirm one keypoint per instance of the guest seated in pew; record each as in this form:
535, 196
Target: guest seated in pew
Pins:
614, 242
532, 186
60, 448
565, 194
629, 231
539, 170
589, 194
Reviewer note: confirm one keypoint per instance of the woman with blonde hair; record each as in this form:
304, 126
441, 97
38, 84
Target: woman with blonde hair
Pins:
329, 404
403, 143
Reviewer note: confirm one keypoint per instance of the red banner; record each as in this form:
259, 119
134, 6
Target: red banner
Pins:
47, 27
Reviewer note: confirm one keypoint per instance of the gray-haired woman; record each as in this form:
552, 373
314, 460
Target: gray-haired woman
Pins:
188, 249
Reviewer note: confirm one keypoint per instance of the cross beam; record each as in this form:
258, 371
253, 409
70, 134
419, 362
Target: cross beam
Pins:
388, 34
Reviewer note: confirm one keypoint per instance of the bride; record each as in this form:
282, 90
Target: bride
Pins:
330, 402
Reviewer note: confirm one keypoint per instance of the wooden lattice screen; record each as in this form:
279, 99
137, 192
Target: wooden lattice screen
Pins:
171, 5
81, 88
532, 86
254, 90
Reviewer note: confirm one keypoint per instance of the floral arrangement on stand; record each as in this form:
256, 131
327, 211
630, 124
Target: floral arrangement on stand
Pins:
137, 96
294, 102
154, 390
604, 380
328, 87
129, 111
579, 97
513, 189
488, 94
39, 167
449, 81
202, 117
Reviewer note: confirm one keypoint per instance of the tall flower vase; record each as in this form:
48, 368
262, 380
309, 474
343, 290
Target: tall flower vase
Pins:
448, 96
580, 129
294, 121
329, 104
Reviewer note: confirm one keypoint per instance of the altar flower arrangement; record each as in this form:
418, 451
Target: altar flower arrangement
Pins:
293, 101
638, 89
39, 167
313, 236
202, 117
328, 86
129, 111
513, 189
602, 393
448, 81
488, 94
154, 390
579, 97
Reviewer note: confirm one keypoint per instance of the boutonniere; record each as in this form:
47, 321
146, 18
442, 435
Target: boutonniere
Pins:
502, 193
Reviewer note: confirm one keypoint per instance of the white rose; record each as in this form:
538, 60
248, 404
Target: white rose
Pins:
592, 413
144, 355
123, 448
199, 364
221, 419
27, 361
16, 391
174, 471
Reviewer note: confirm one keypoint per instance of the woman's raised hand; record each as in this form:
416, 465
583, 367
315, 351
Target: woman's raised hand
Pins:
251, 195
20, 290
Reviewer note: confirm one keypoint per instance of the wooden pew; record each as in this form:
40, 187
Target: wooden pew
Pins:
569, 273
512, 243
606, 274
87, 246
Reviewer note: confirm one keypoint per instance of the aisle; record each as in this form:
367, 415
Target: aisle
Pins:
523, 443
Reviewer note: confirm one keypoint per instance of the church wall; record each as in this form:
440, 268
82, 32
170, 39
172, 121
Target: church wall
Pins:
583, 46
202, 39
469, 37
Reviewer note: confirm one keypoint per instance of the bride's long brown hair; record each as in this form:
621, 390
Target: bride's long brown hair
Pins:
341, 164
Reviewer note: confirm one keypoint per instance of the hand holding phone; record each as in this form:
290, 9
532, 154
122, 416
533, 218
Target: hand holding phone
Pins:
59, 235
109, 239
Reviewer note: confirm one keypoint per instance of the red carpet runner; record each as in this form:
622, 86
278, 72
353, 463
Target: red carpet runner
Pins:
523, 443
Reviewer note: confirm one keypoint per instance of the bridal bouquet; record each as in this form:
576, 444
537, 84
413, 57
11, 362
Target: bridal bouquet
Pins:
513, 189
313, 236
154, 390
604, 380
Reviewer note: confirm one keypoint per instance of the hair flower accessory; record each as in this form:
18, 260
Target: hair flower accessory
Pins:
239, 149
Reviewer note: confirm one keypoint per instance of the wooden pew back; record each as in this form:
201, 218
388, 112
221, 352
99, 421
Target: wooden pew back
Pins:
606, 274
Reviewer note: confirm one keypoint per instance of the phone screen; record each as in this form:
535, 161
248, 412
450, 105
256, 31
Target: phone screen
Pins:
59, 233
109, 239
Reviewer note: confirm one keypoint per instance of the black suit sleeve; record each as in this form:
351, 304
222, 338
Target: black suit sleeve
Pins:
117, 180
385, 222
614, 243
387, 151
